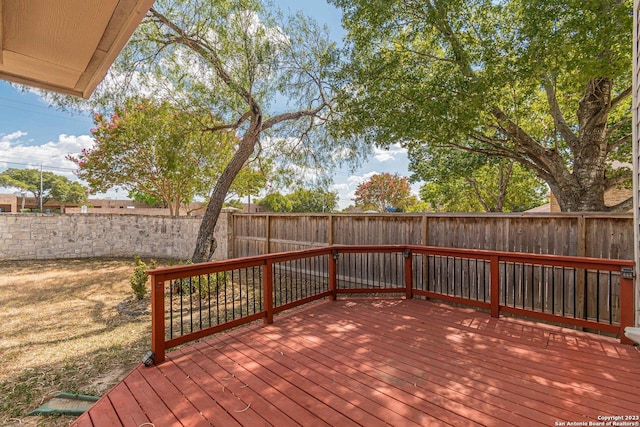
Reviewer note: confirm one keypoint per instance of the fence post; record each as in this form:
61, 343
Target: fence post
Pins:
495, 285
408, 273
333, 275
157, 318
330, 230
267, 288
627, 313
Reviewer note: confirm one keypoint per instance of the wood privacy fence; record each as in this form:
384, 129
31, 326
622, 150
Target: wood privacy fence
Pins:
585, 235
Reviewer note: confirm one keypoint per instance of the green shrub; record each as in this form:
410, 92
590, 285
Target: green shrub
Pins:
139, 278
202, 286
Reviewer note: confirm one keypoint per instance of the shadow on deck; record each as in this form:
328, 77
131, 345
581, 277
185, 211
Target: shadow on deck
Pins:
373, 362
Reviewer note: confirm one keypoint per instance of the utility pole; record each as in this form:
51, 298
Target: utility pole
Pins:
40, 187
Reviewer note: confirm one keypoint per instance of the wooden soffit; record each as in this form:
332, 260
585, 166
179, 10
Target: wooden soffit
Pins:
65, 46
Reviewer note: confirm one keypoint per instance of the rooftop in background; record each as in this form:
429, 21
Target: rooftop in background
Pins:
65, 46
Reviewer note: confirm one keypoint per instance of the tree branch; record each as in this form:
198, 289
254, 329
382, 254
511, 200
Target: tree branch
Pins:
294, 115
617, 126
623, 206
618, 99
616, 181
476, 190
207, 53
558, 117
615, 144
230, 126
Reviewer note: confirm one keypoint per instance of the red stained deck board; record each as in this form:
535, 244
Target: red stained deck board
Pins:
105, 414
389, 393
567, 341
560, 365
447, 402
319, 403
498, 349
127, 408
371, 412
216, 381
146, 394
511, 369
188, 381
268, 386
83, 421
375, 362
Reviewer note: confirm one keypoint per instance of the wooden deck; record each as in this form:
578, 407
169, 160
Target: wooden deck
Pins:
376, 362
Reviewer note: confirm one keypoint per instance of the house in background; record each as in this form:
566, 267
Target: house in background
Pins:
8, 203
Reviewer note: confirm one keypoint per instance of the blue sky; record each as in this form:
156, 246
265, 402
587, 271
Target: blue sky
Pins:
33, 133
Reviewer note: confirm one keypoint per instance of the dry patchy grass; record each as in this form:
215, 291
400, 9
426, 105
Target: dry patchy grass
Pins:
62, 332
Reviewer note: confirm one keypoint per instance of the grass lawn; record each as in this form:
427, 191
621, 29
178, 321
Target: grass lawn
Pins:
61, 331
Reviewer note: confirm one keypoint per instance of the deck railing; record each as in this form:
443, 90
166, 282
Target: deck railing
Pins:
194, 301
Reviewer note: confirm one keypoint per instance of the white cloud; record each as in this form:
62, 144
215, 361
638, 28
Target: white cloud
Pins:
355, 180
12, 136
388, 154
52, 155
339, 187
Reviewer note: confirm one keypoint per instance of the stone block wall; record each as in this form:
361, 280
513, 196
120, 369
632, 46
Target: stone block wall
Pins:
57, 236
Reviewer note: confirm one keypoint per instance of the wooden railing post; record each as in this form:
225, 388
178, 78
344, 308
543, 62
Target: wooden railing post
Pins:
408, 273
157, 318
627, 303
267, 288
495, 286
333, 275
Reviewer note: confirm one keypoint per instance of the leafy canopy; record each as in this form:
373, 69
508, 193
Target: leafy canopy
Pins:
384, 193
158, 151
54, 186
545, 83
301, 200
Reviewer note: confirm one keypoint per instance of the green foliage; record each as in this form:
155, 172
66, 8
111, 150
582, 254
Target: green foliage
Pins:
545, 83
160, 151
139, 278
148, 199
318, 200
275, 202
54, 186
201, 286
234, 203
301, 200
385, 193
459, 181
245, 54
234, 59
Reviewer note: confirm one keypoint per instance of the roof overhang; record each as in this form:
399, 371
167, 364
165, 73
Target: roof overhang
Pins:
65, 46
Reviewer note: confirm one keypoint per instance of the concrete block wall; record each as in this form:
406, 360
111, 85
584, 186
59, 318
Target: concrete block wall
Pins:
58, 236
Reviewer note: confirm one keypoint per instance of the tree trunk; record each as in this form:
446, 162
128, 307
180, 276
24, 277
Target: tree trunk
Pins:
585, 192
581, 187
206, 243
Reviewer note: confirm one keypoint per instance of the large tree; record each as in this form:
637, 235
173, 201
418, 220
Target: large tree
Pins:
385, 192
44, 185
459, 181
545, 83
156, 150
235, 60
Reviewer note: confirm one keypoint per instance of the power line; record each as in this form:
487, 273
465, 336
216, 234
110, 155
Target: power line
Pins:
63, 117
36, 164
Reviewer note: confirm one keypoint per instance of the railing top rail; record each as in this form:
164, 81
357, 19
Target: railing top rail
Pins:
215, 266
528, 258
569, 261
